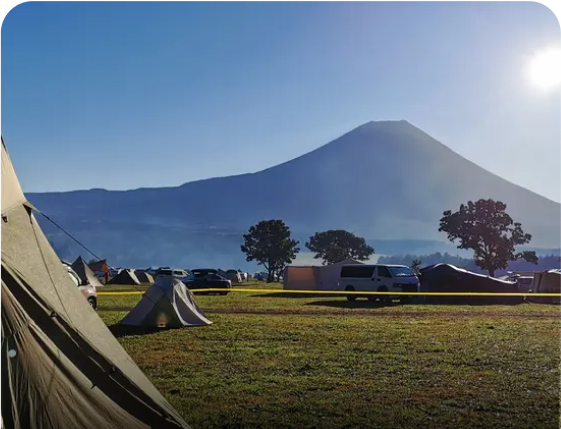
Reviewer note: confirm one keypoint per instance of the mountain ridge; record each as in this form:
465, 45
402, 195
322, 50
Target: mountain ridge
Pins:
384, 180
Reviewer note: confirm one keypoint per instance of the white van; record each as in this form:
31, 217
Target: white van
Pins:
378, 278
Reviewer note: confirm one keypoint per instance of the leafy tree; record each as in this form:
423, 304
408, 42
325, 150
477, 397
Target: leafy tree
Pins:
269, 243
486, 228
337, 245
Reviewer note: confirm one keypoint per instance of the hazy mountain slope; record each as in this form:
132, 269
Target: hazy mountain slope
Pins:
383, 180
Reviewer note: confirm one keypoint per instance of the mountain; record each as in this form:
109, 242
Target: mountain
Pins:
383, 180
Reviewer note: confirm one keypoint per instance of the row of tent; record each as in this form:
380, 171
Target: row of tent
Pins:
449, 278
125, 277
61, 365
434, 279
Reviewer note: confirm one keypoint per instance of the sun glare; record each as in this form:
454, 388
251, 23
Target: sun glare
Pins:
545, 69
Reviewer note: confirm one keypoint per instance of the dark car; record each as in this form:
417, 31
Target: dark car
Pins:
207, 279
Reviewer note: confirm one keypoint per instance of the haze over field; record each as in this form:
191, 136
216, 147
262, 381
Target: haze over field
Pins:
215, 116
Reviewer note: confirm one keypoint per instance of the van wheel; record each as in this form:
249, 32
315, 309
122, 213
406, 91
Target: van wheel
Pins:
384, 299
351, 298
93, 303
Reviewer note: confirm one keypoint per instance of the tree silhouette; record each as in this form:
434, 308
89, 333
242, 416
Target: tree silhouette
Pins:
338, 245
486, 228
269, 243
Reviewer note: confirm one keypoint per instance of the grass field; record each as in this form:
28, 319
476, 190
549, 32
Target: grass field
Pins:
280, 362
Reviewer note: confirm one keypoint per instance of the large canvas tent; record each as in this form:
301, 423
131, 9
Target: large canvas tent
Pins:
167, 303
61, 366
85, 273
546, 282
299, 278
125, 277
327, 276
448, 278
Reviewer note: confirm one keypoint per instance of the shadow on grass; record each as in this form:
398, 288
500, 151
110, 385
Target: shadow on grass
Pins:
295, 295
130, 331
343, 303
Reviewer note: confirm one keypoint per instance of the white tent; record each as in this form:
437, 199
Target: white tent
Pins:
167, 303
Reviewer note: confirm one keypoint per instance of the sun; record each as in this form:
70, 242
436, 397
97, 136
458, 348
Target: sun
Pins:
545, 69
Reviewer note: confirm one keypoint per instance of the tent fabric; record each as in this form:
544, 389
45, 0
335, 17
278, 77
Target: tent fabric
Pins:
61, 366
125, 277
547, 282
325, 277
85, 273
167, 303
448, 278
144, 277
299, 278
99, 266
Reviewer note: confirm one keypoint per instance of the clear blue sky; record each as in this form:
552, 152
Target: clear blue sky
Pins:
127, 95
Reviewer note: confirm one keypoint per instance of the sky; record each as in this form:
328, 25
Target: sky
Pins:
127, 95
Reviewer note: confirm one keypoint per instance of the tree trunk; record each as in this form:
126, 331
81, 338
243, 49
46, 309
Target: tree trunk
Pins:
491, 272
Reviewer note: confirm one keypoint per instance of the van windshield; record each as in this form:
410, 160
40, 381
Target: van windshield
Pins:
401, 272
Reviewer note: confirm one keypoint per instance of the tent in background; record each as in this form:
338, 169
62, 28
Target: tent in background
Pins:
546, 282
448, 278
168, 303
85, 273
299, 278
144, 277
61, 366
125, 277
99, 266
327, 276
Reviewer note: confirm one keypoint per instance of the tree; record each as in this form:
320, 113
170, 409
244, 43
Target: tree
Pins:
337, 245
486, 228
269, 243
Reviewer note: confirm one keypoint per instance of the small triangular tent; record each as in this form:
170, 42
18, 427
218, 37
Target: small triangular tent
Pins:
167, 303
125, 277
144, 277
61, 366
85, 273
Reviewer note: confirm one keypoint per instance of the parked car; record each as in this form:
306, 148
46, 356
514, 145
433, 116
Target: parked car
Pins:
88, 291
177, 273
207, 279
378, 278
263, 276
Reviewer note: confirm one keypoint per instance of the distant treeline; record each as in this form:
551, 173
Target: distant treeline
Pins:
546, 262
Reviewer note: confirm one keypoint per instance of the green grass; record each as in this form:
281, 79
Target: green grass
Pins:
277, 362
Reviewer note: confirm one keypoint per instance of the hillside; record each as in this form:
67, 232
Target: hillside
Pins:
383, 180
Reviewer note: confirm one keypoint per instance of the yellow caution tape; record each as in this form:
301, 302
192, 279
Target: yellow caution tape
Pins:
340, 292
